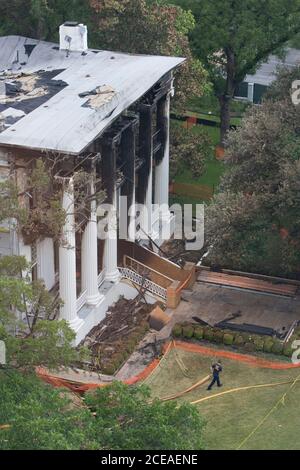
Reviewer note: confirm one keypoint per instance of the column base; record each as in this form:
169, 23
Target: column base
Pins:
165, 231
94, 300
113, 276
166, 216
76, 323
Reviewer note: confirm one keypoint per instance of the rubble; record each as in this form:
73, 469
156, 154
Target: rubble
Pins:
115, 338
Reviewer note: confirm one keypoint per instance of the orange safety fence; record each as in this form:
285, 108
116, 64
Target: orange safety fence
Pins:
80, 387
247, 359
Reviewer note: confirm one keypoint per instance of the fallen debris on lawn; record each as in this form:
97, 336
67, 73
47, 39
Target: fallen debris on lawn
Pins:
115, 338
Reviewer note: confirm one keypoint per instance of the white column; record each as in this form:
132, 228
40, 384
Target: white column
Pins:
111, 246
146, 129
45, 262
67, 262
89, 258
132, 216
148, 202
250, 94
162, 169
26, 251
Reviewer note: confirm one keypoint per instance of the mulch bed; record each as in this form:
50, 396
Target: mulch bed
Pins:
115, 338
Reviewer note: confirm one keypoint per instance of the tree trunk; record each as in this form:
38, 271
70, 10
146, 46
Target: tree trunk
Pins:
226, 98
225, 102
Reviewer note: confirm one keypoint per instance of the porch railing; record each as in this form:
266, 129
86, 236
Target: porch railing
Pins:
141, 281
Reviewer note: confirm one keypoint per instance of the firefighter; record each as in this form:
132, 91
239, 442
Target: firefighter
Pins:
216, 369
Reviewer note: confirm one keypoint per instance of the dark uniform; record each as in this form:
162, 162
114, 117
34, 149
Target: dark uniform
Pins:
216, 369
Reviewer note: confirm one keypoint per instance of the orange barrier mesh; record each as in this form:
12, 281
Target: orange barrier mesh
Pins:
81, 388
253, 360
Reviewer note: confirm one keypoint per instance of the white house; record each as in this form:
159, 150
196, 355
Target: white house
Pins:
84, 105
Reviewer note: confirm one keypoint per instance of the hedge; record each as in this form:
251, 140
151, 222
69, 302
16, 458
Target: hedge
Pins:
237, 339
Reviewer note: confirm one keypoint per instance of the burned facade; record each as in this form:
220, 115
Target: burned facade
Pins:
105, 112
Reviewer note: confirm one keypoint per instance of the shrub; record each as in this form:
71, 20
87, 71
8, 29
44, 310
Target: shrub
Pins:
247, 338
177, 331
287, 350
249, 342
250, 347
238, 340
218, 336
277, 347
268, 344
297, 332
228, 339
198, 332
130, 346
188, 331
208, 333
109, 370
259, 344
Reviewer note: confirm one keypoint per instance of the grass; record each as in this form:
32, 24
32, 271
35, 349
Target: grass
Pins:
231, 418
209, 104
211, 177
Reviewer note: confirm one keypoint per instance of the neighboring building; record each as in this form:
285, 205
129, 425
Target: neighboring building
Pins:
83, 105
254, 86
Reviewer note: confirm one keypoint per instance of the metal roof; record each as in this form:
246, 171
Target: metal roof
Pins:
266, 73
59, 101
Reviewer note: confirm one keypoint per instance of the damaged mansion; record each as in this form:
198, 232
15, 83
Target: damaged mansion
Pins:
106, 114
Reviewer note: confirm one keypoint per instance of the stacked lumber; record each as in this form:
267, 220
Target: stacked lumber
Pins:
244, 282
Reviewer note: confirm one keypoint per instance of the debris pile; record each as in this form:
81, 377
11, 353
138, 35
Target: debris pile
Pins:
115, 338
175, 250
99, 96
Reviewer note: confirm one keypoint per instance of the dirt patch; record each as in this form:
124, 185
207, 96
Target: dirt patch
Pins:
115, 338
175, 251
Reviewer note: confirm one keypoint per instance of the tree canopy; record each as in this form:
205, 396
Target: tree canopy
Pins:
253, 223
231, 38
35, 416
134, 26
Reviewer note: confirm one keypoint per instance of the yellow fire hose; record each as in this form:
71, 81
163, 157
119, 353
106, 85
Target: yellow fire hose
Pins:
181, 364
5, 426
150, 376
281, 400
239, 389
180, 394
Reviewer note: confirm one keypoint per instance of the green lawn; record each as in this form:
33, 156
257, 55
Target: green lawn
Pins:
213, 170
211, 177
209, 104
232, 417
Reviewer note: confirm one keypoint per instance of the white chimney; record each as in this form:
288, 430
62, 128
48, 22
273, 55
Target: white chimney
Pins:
73, 37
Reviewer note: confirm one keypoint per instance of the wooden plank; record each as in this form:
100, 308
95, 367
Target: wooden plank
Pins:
247, 283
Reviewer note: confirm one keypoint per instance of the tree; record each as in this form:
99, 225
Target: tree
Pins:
40, 19
27, 311
150, 27
27, 308
134, 26
128, 419
253, 223
189, 148
232, 38
35, 416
